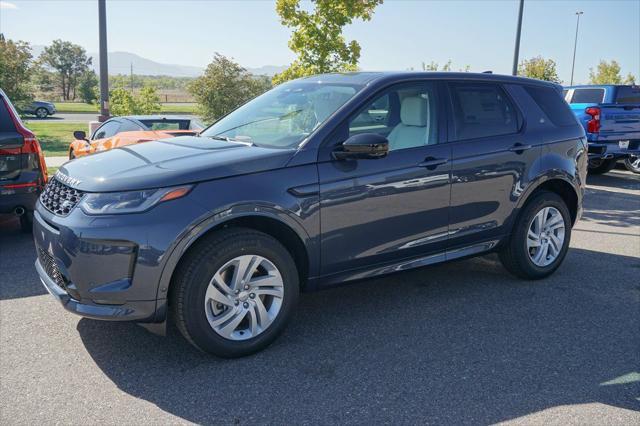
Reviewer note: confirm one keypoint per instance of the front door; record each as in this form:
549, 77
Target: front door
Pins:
377, 211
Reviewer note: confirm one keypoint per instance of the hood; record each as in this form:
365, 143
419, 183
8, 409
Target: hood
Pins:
169, 162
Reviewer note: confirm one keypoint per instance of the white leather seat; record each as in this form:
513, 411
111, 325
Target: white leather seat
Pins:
413, 129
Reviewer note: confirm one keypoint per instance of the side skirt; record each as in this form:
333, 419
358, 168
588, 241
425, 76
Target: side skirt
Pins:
317, 283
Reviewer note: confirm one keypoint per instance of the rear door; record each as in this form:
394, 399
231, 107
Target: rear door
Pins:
11, 142
492, 157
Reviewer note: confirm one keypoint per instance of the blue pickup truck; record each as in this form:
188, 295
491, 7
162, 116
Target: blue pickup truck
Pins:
610, 115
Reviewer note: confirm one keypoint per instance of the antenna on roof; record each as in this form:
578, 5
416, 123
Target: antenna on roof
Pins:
487, 72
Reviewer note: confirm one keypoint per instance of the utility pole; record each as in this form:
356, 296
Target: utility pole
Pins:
516, 52
575, 45
104, 67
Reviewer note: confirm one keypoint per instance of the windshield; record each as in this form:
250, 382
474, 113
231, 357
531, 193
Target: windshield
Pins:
284, 116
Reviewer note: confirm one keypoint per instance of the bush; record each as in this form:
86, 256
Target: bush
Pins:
122, 102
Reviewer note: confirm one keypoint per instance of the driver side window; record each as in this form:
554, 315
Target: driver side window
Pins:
406, 116
107, 130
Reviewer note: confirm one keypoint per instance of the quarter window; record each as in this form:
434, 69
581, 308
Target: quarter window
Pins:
553, 105
406, 115
482, 110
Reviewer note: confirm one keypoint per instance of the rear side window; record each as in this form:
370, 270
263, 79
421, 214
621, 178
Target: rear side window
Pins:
482, 110
553, 105
587, 96
628, 95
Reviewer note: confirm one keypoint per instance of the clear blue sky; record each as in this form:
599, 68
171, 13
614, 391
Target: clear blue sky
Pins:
401, 35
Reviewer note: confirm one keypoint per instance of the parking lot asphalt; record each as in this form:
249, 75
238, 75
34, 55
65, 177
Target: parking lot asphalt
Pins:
459, 343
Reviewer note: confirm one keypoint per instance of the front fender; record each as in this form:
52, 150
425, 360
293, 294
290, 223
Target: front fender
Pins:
225, 215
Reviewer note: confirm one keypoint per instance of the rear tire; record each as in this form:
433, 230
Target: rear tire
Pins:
42, 113
599, 166
206, 304
518, 257
632, 163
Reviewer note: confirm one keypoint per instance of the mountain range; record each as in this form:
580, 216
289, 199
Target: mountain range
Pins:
122, 62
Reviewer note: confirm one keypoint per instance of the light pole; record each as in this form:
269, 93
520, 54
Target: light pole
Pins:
104, 68
516, 51
575, 44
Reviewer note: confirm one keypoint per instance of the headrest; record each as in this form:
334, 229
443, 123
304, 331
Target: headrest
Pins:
414, 111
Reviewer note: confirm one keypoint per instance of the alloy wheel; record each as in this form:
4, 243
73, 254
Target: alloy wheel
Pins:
244, 297
633, 163
545, 237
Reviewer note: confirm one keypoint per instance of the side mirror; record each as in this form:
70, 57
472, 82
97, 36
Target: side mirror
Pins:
363, 146
80, 135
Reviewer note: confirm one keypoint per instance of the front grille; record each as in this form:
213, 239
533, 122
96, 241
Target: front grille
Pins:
51, 268
59, 198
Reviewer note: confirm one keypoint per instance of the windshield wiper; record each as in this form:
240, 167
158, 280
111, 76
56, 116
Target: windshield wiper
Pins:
227, 139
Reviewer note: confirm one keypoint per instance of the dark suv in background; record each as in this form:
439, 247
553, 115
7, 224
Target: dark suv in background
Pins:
319, 181
23, 172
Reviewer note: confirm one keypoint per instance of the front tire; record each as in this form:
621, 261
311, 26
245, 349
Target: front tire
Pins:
632, 163
598, 166
42, 113
540, 238
234, 292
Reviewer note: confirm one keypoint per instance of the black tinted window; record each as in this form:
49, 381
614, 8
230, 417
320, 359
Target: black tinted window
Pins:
628, 95
6, 123
166, 124
481, 110
107, 130
553, 105
587, 96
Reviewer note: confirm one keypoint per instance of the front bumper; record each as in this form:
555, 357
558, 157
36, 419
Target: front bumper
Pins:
143, 311
109, 267
612, 150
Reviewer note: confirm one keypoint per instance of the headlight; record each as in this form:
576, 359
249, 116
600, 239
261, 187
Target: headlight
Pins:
130, 201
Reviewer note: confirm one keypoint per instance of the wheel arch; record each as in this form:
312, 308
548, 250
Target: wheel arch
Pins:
269, 221
563, 186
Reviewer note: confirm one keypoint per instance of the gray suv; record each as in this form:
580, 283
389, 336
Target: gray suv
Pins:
320, 181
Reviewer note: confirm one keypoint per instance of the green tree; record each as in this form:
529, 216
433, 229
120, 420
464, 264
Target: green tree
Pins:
317, 38
123, 102
88, 87
70, 61
223, 87
609, 73
15, 70
540, 68
148, 101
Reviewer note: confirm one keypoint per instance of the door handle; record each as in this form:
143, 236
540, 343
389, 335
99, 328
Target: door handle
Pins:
518, 148
431, 162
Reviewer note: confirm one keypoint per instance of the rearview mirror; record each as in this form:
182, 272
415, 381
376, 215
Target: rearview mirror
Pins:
80, 135
363, 146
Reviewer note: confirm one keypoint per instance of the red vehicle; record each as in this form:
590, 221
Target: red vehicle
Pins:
23, 171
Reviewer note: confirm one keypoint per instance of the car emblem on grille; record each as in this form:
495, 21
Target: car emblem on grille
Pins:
67, 179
